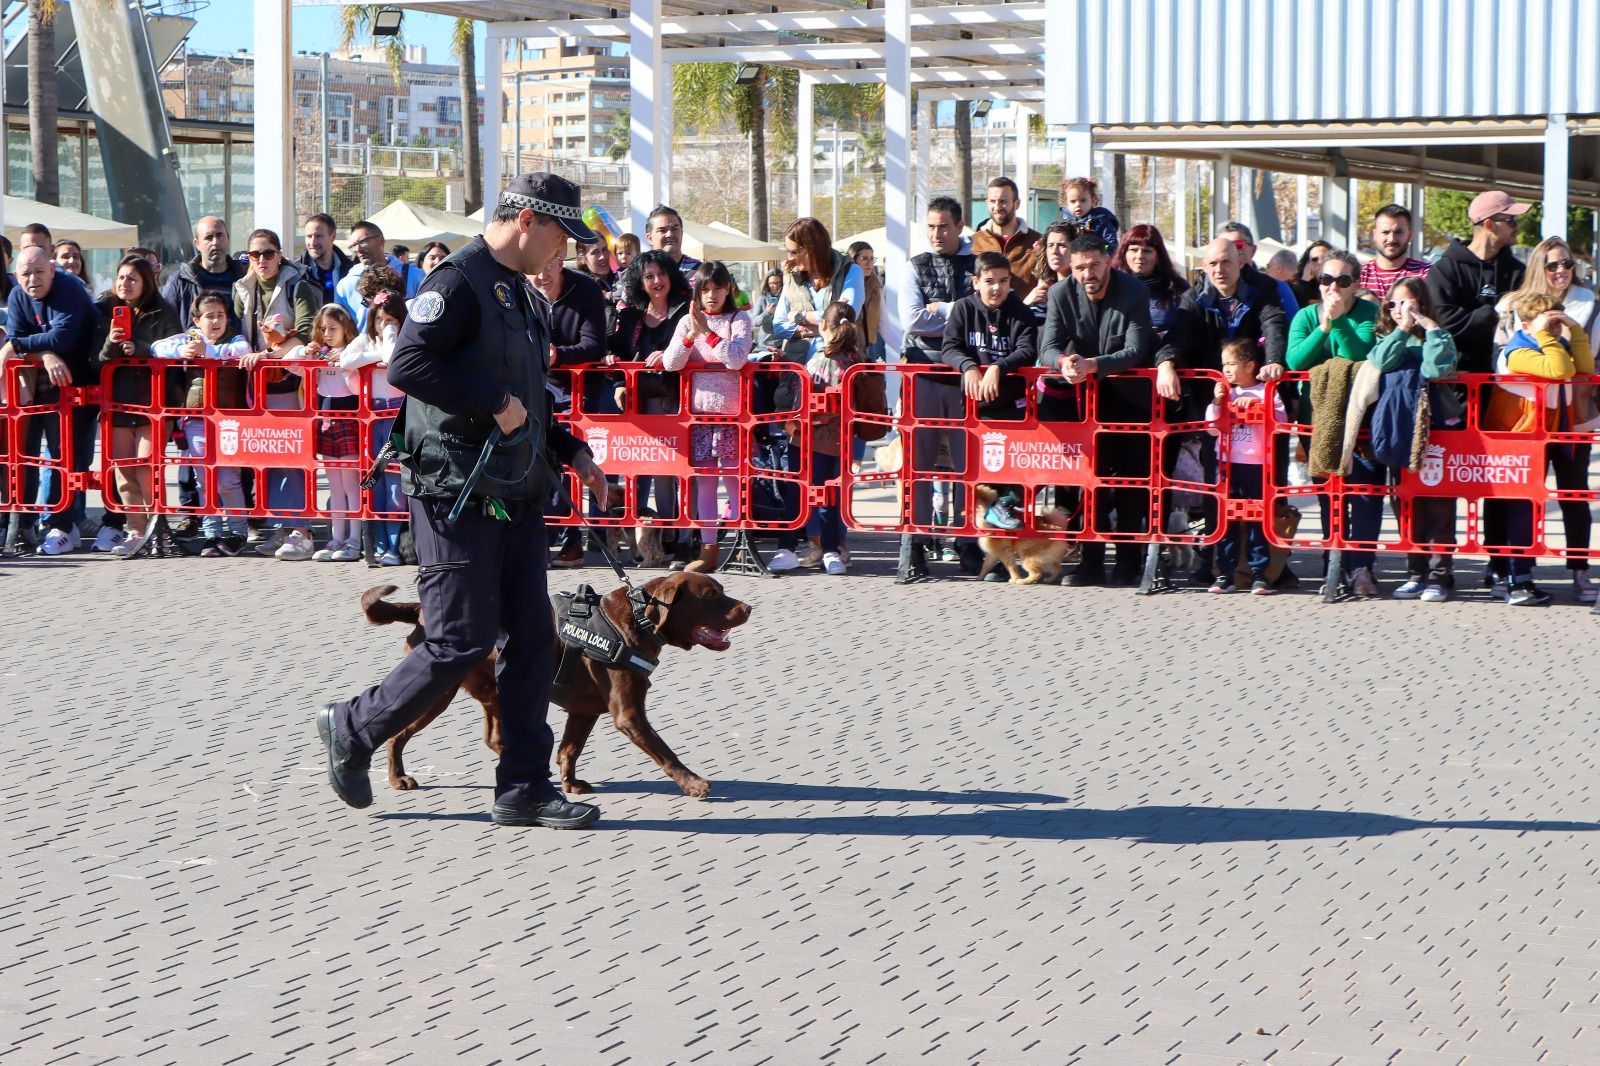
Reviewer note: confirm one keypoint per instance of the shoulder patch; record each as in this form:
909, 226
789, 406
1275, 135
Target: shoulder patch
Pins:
427, 307
502, 292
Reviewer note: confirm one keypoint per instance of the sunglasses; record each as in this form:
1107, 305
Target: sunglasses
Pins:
1343, 281
1505, 219
268, 254
1560, 264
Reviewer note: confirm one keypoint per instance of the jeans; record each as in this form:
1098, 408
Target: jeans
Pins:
1244, 483
229, 486
386, 494
40, 431
1363, 515
825, 468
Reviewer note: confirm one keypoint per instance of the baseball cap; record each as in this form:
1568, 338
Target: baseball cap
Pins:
1493, 202
553, 195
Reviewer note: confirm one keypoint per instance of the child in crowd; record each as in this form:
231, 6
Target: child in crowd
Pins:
989, 333
842, 346
1080, 205
374, 347
1550, 345
627, 250
333, 331
716, 333
209, 313
1246, 451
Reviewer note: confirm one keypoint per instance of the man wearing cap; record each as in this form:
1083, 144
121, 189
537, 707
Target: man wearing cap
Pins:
1469, 278
472, 356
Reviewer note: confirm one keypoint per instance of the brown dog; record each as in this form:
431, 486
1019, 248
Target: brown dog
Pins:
692, 609
1042, 558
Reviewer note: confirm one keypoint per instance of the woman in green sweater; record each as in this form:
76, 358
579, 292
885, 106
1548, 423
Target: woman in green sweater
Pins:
1340, 326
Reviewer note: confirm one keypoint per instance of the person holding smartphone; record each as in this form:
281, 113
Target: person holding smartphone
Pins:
133, 316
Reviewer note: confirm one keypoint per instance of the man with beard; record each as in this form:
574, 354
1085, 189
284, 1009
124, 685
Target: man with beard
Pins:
1391, 236
211, 270
1008, 233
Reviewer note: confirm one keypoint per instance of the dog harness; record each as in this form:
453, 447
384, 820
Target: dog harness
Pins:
586, 632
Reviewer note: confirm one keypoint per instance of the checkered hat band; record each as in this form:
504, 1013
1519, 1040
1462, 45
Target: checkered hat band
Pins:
544, 207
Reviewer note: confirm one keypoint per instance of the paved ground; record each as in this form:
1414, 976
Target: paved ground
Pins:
953, 823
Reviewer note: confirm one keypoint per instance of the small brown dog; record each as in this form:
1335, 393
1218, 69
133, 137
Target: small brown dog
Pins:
689, 610
1029, 560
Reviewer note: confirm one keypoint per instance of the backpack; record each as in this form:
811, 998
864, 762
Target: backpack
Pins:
871, 398
775, 499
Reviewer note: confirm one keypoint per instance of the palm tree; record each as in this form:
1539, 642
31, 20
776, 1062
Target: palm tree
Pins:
621, 134
463, 46
43, 133
705, 96
355, 20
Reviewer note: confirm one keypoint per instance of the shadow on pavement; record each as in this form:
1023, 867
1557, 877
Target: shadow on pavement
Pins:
771, 791
1146, 825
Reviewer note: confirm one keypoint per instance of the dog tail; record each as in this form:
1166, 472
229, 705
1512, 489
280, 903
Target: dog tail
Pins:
380, 612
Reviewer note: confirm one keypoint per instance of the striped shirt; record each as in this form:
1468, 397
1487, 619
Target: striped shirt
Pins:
1378, 281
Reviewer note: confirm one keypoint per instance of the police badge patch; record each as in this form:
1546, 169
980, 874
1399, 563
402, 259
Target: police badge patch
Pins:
502, 292
427, 307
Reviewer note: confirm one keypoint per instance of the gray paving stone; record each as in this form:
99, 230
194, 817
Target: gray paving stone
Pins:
950, 823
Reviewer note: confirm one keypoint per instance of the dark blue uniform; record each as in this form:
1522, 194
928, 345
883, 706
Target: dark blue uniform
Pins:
472, 336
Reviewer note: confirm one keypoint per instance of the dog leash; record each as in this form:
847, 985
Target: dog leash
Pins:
638, 598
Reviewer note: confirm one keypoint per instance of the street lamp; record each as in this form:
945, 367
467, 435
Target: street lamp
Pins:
747, 74
386, 22
982, 110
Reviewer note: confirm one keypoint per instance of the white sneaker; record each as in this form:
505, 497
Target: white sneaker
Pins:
1434, 594
108, 538
325, 555
389, 559
783, 559
56, 543
129, 546
296, 548
1411, 590
1584, 587
348, 553
832, 563
271, 545
812, 555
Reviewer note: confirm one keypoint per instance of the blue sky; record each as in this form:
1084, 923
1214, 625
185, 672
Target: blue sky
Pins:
317, 29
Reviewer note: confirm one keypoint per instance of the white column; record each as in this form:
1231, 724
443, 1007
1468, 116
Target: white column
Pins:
805, 145
1418, 197
896, 158
1221, 193
493, 113
1352, 217
1024, 155
1179, 249
1079, 159
1556, 176
647, 79
1336, 208
1301, 203
924, 118
664, 135
274, 125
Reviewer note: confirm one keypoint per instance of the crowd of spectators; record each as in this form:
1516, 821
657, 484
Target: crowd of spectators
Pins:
1085, 298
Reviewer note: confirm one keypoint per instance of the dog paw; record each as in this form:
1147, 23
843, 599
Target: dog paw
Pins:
695, 787
405, 783
575, 787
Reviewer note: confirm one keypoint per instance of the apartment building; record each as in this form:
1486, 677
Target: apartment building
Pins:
561, 99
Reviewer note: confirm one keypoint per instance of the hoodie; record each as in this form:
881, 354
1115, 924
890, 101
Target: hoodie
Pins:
976, 336
1465, 289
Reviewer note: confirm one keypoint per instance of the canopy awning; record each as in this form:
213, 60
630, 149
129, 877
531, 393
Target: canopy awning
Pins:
717, 241
404, 222
90, 231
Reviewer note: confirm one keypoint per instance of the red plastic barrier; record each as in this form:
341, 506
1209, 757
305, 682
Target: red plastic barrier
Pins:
248, 434
646, 443
26, 426
1103, 443
1474, 468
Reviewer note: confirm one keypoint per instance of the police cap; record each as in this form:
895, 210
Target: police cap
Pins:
553, 195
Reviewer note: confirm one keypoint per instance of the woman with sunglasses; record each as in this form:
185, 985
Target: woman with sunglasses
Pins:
276, 305
1340, 326
1551, 272
1304, 285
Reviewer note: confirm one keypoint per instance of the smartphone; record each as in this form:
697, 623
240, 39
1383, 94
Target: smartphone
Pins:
122, 318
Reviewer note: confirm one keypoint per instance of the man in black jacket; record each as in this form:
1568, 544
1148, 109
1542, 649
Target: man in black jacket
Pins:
1097, 323
471, 358
211, 270
1470, 278
988, 335
324, 263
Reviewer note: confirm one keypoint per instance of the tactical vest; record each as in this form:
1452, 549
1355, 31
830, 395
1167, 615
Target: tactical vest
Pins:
941, 279
512, 349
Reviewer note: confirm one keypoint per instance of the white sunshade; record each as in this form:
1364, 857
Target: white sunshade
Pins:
90, 231
404, 222
717, 241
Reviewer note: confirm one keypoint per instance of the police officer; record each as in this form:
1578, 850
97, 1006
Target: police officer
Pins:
472, 356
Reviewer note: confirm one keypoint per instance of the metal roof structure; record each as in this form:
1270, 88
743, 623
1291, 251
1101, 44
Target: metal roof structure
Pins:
1404, 91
